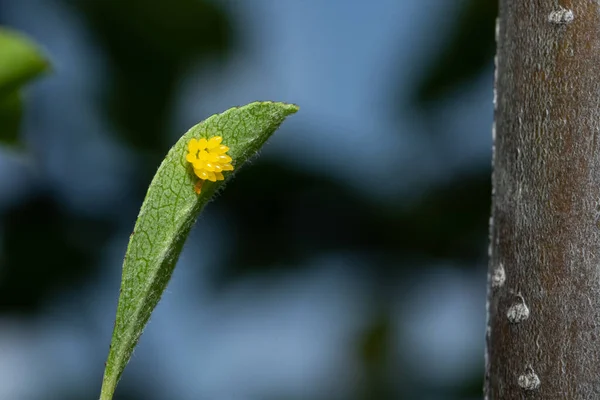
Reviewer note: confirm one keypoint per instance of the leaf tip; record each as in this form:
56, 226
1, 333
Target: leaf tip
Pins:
288, 108
291, 107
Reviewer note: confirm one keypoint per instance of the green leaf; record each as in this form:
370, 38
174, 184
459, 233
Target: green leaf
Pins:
20, 61
169, 210
10, 117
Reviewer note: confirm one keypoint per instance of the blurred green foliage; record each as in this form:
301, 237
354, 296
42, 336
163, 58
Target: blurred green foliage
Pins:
20, 62
11, 110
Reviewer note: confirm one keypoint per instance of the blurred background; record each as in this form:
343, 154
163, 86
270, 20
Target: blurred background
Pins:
347, 262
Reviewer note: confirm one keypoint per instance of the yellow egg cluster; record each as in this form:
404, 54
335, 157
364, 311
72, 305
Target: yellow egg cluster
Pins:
209, 159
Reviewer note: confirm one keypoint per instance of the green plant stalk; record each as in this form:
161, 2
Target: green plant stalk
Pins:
168, 213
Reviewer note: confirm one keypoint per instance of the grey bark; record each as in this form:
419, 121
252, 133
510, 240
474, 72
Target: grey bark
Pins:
543, 332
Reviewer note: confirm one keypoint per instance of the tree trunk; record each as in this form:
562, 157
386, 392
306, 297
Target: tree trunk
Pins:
543, 332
